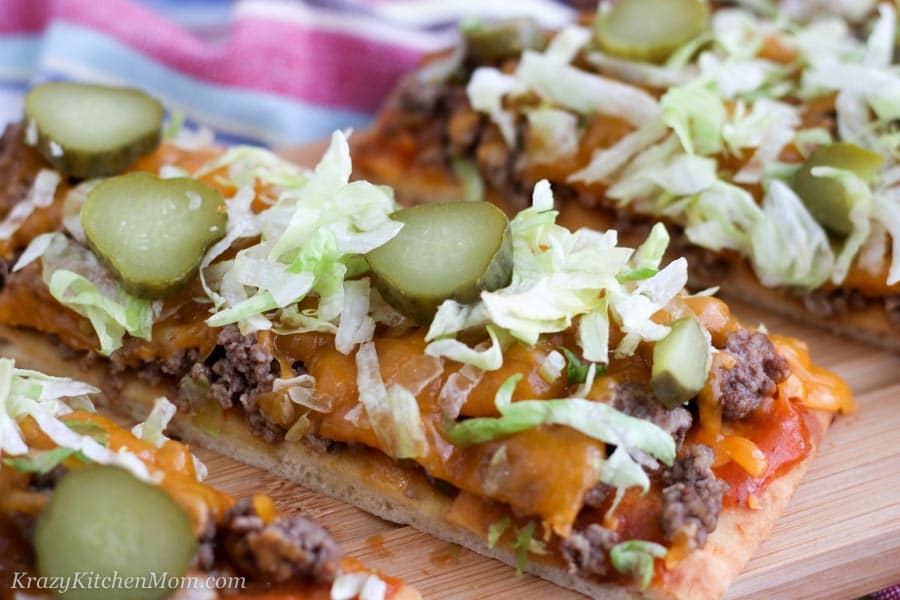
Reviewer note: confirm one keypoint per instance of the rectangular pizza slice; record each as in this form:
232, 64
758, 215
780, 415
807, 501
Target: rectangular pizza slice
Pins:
764, 135
90, 509
544, 396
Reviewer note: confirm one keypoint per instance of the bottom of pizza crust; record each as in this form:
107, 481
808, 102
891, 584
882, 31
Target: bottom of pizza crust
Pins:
372, 482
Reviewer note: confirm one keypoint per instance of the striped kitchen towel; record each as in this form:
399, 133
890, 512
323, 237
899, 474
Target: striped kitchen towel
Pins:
267, 71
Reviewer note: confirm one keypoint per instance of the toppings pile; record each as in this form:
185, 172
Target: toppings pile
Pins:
757, 129
560, 379
86, 496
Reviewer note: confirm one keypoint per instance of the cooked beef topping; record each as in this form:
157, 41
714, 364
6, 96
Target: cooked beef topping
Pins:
206, 546
692, 497
464, 128
42, 482
638, 401
288, 547
239, 368
418, 98
892, 309
319, 443
831, 303
756, 372
586, 552
19, 164
707, 267
597, 495
176, 365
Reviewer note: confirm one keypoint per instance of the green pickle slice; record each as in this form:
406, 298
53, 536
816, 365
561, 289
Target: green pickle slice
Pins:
452, 250
679, 363
503, 39
89, 131
153, 232
828, 200
650, 30
103, 520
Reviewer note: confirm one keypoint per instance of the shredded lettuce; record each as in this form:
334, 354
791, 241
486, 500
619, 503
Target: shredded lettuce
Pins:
552, 366
152, 430
77, 280
45, 399
553, 135
886, 211
311, 240
576, 371
649, 254
594, 419
583, 92
453, 317
525, 543
40, 195
697, 116
486, 90
606, 161
621, 471
722, 216
488, 359
409, 433
393, 412
356, 325
496, 530
788, 246
642, 73
779, 123
566, 44
43, 462
593, 333
635, 557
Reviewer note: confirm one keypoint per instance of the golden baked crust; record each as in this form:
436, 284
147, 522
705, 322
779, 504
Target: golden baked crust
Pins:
370, 480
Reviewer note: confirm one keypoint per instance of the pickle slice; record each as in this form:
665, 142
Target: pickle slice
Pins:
828, 200
503, 39
153, 232
91, 131
103, 520
679, 363
650, 30
452, 250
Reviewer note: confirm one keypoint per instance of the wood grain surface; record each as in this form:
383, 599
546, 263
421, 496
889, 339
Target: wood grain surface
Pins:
839, 538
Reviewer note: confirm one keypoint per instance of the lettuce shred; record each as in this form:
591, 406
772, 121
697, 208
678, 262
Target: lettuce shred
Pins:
25, 393
77, 280
311, 242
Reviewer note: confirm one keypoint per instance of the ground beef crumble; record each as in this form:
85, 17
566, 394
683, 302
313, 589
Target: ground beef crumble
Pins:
692, 497
638, 401
288, 547
237, 371
758, 369
586, 552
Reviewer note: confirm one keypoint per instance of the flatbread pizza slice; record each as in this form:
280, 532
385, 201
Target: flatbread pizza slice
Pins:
91, 509
543, 396
766, 141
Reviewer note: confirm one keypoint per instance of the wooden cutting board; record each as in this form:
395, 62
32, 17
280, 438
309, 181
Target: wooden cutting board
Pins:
840, 536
